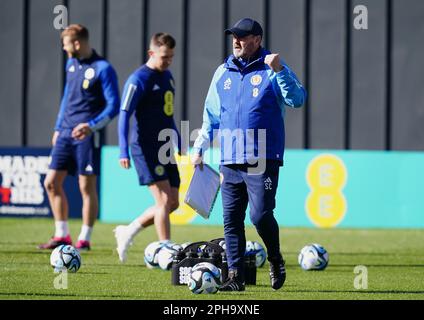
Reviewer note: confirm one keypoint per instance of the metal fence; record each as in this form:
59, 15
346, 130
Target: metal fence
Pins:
365, 86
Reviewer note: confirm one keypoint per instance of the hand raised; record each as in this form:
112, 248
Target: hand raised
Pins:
273, 61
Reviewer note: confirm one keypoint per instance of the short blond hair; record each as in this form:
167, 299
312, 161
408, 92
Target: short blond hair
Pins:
76, 32
163, 39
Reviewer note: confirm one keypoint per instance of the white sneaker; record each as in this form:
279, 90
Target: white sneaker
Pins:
123, 240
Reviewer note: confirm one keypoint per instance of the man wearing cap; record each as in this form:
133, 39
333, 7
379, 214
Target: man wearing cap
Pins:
245, 107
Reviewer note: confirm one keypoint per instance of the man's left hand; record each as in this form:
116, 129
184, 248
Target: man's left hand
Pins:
81, 131
273, 60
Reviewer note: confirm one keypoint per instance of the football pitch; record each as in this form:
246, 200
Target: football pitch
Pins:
393, 263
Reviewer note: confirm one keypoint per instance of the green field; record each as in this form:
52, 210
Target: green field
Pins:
394, 260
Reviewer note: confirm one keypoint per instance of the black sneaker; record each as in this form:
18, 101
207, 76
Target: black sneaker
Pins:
277, 273
233, 283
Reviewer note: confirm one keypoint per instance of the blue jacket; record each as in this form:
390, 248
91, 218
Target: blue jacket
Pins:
245, 108
91, 94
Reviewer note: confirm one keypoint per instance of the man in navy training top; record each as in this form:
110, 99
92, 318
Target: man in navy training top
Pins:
89, 103
246, 102
149, 95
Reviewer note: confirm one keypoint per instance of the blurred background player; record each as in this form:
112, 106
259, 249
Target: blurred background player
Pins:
90, 101
252, 87
149, 94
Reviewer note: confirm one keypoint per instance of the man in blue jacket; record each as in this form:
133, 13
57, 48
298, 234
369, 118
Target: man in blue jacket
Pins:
245, 109
90, 101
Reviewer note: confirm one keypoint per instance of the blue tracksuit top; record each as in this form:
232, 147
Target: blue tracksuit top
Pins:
244, 98
149, 95
91, 94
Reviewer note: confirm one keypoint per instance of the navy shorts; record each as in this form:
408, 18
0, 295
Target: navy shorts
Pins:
150, 170
75, 156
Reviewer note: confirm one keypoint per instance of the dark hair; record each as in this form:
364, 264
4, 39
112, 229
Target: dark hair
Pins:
76, 32
163, 39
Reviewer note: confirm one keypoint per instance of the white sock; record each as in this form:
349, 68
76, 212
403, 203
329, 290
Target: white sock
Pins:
134, 228
85, 234
61, 229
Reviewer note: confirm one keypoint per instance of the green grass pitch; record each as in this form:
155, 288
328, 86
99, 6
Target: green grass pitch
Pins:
394, 261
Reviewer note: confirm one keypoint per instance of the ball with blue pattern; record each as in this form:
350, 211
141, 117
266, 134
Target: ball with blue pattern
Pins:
65, 257
313, 257
255, 248
166, 255
205, 278
151, 253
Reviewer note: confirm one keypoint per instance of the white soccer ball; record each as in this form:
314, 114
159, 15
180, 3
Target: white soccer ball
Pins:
65, 257
204, 278
250, 248
254, 247
260, 254
151, 253
222, 244
313, 257
166, 255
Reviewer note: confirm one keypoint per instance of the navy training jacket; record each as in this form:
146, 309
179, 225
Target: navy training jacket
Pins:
245, 108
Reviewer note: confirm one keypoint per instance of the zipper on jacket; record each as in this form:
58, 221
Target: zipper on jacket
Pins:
240, 95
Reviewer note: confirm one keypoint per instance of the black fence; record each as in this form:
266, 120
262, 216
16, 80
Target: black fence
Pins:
365, 86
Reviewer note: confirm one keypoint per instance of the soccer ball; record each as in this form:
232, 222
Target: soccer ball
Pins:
151, 253
250, 248
313, 257
254, 247
222, 244
204, 278
166, 255
65, 257
260, 254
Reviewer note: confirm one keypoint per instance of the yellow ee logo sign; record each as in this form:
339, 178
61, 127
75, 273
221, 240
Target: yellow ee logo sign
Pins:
184, 214
326, 204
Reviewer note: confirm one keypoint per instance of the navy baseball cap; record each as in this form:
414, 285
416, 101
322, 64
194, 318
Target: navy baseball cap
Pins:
244, 27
